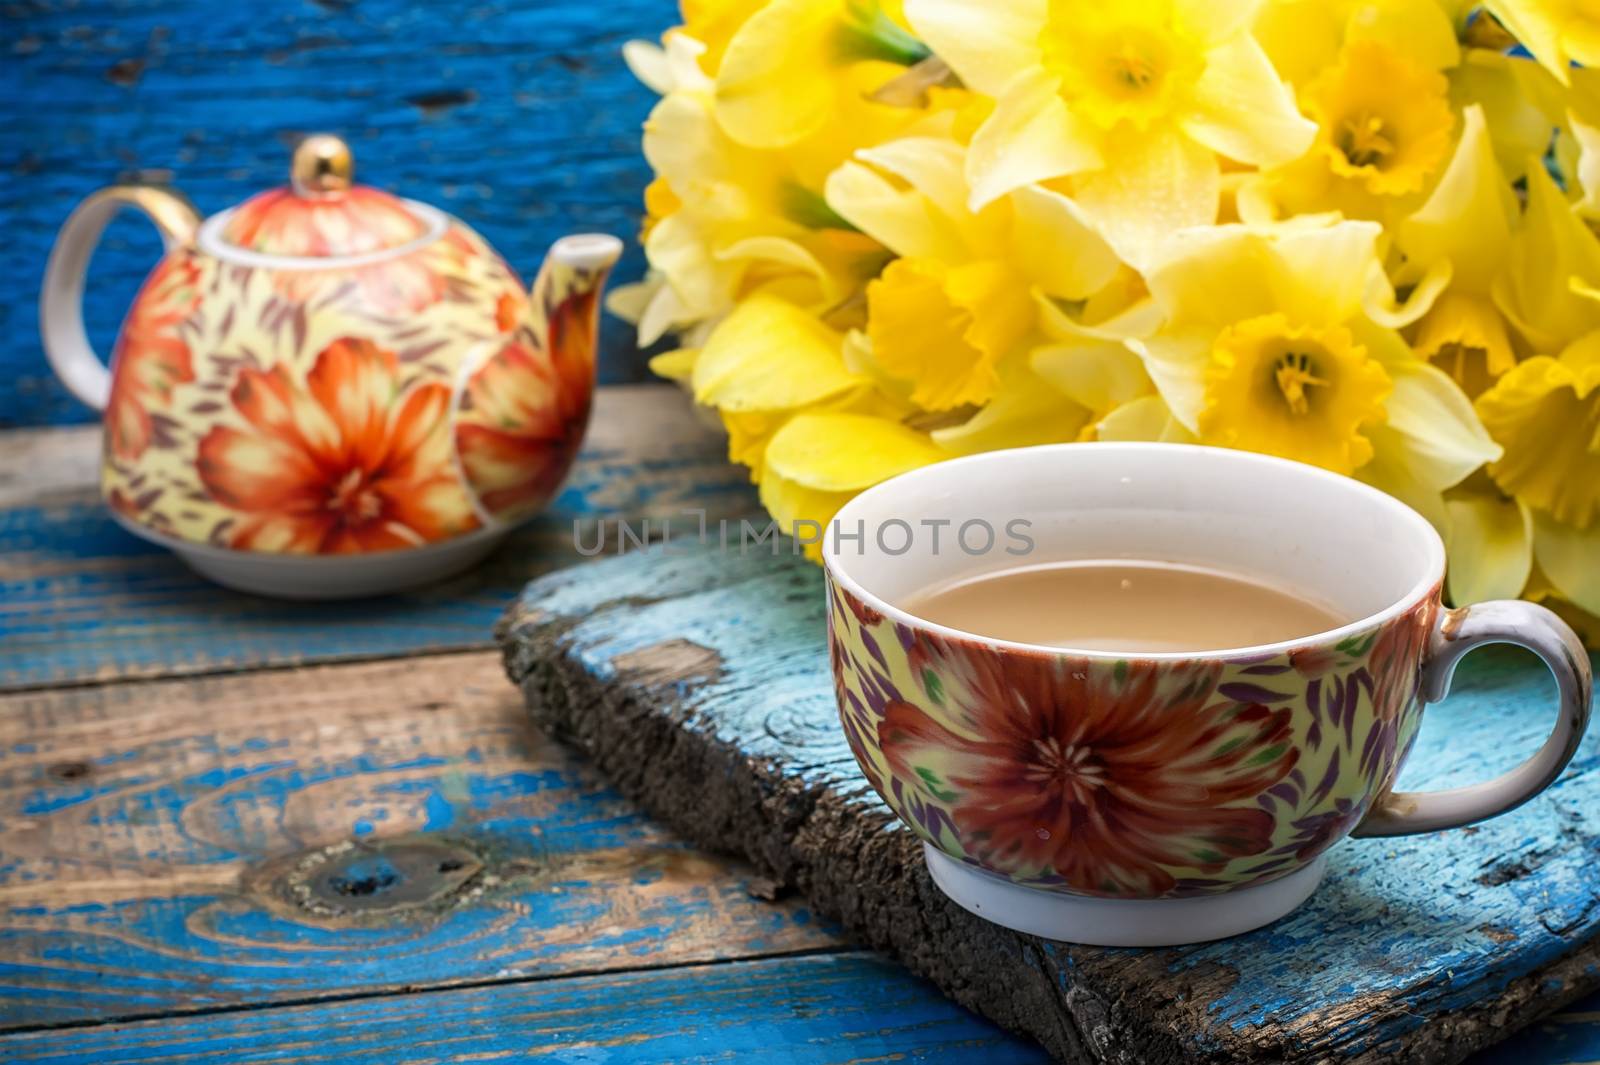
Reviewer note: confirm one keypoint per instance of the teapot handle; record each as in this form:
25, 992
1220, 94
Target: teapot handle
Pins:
61, 299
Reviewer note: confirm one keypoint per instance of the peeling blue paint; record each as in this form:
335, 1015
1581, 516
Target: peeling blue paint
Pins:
1404, 924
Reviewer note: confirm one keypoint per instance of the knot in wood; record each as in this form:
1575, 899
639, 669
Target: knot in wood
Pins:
380, 882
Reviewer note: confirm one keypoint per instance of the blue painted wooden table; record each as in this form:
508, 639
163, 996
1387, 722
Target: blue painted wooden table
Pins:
519, 118
240, 830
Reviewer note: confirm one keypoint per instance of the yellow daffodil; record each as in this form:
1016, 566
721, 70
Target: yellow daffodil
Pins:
765, 363
1302, 391
1489, 541
1134, 99
1086, 357
1583, 116
793, 64
713, 23
1557, 32
817, 461
1521, 102
726, 219
1364, 136
1384, 130
1267, 346
1025, 411
1454, 248
959, 301
1546, 414
1357, 233
1304, 38
1550, 287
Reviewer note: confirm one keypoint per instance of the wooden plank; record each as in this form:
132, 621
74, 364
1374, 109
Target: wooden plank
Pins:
521, 119
277, 836
711, 703
82, 599
825, 1010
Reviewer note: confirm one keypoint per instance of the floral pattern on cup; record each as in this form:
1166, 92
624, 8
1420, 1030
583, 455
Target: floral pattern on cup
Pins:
1125, 778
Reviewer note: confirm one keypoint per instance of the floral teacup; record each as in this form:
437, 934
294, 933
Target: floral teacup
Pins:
1158, 798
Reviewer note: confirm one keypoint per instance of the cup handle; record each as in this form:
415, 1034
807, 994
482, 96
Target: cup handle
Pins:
61, 299
1455, 632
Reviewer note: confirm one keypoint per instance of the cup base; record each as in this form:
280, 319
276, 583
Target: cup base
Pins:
1120, 922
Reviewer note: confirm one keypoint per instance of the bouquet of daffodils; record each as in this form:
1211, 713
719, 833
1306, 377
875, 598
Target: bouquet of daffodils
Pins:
1356, 233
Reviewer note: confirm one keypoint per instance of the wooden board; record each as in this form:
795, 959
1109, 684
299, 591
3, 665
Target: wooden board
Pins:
82, 599
152, 814
829, 1010
698, 682
521, 119
280, 836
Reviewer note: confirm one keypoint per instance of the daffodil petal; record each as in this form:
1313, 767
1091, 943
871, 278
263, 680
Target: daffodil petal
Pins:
770, 355
1214, 21
1520, 99
1024, 412
1160, 183
1491, 547
1391, 470
629, 301
1145, 418
902, 220
934, 167
1570, 558
802, 271
1538, 28
773, 87
800, 511
1382, 307
1244, 110
1054, 244
1212, 274
664, 312
1176, 361
986, 44
1138, 319
685, 148
1302, 37
1552, 247
1325, 271
1030, 136
1434, 418
648, 62
1583, 114
675, 365
1469, 215
1422, 26
680, 250
1101, 376
846, 452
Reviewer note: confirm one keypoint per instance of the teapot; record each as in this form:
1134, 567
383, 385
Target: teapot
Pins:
329, 391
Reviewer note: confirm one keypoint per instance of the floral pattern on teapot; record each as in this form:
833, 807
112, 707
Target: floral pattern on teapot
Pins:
330, 410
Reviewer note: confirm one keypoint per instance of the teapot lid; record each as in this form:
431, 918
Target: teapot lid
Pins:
322, 213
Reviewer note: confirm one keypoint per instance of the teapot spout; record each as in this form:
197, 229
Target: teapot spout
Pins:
565, 297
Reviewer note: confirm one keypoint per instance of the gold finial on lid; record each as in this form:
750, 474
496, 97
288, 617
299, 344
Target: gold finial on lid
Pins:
322, 166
